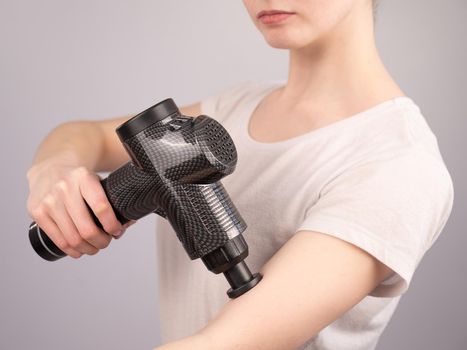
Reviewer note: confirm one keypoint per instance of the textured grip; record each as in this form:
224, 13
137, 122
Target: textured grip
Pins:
133, 192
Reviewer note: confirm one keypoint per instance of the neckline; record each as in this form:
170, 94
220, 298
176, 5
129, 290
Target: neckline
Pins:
253, 104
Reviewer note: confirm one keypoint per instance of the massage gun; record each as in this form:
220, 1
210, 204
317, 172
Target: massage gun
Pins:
175, 170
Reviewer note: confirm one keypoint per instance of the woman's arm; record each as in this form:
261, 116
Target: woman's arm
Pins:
63, 183
310, 282
91, 144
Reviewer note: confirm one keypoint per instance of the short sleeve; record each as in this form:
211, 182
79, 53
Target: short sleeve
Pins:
394, 209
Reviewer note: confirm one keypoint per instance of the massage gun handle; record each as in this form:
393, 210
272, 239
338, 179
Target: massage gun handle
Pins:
46, 248
132, 193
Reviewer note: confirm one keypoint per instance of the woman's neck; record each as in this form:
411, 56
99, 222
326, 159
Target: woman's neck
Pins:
342, 70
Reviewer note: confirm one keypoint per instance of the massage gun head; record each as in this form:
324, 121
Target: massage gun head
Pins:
179, 148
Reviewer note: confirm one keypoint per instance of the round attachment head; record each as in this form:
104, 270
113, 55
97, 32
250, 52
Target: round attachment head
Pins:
146, 118
234, 293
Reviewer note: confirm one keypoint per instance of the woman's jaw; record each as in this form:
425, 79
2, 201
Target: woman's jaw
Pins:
301, 24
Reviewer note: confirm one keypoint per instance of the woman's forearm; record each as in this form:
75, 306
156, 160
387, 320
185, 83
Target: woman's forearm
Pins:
91, 144
194, 342
80, 143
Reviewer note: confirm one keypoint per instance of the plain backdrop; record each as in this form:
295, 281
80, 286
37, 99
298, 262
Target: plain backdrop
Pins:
93, 59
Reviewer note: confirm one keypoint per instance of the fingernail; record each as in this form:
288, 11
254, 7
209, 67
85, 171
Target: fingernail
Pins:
118, 234
128, 224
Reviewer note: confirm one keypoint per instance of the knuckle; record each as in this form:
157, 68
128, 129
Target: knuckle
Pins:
75, 255
106, 243
89, 232
62, 186
62, 244
38, 212
93, 251
81, 171
49, 201
76, 242
30, 206
29, 173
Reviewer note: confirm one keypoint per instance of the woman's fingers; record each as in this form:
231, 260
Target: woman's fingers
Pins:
83, 220
62, 219
93, 193
60, 208
124, 226
46, 223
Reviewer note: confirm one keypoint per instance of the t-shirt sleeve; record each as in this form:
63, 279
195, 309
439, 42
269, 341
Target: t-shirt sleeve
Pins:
394, 209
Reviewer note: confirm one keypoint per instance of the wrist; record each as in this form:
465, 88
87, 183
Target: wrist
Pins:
66, 156
55, 166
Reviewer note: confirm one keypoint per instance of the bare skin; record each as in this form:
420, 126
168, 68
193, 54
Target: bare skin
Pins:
334, 72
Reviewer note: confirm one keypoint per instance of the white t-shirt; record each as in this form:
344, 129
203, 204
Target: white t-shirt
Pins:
375, 179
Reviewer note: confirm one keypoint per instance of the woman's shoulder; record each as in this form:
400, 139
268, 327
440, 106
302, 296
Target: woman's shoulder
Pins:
417, 128
395, 126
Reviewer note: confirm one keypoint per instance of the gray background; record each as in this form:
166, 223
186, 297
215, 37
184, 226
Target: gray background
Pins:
64, 60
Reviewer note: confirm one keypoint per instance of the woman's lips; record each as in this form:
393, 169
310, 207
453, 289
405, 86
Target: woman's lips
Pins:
273, 16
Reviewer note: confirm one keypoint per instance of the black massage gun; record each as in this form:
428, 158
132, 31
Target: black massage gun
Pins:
175, 170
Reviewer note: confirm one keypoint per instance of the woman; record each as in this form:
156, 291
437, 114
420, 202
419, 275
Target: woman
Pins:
339, 178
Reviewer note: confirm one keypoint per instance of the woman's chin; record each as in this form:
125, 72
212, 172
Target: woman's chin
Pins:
288, 39
283, 43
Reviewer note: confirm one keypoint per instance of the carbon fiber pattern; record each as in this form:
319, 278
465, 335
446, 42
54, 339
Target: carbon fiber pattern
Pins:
175, 171
132, 191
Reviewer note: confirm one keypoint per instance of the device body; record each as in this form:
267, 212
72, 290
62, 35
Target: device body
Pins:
175, 170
